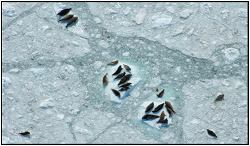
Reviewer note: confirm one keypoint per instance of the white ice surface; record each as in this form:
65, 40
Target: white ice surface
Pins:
52, 75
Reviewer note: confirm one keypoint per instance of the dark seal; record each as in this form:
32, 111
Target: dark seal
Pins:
149, 107
125, 79
158, 108
64, 12
149, 116
71, 20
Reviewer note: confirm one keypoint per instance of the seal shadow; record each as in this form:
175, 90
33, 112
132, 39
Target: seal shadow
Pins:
28, 136
165, 125
116, 80
65, 21
149, 111
143, 120
215, 101
104, 86
128, 71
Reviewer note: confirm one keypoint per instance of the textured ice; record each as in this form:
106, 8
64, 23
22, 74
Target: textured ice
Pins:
161, 21
213, 115
8, 10
140, 16
230, 54
47, 103
52, 75
6, 81
185, 13
38, 71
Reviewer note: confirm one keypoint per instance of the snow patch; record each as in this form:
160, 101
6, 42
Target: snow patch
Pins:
178, 31
97, 20
126, 11
109, 11
170, 10
44, 28
126, 23
97, 64
60, 116
47, 103
14, 71
139, 18
125, 54
161, 21
75, 43
69, 69
185, 13
230, 54
104, 44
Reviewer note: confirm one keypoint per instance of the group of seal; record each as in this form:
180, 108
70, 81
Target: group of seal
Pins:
69, 17
123, 76
168, 106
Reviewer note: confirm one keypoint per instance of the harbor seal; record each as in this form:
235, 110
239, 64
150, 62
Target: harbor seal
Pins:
149, 107
170, 112
211, 133
161, 93
158, 108
164, 121
113, 63
120, 75
149, 116
105, 79
67, 17
161, 117
125, 79
127, 67
126, 84
71, 20
117, 93
119, 69
64, 12
169, 105
24, 133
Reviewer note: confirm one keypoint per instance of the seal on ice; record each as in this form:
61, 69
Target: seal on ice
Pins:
117, 93
149, 107
105, 79
113, 63
125, 79
67, 17
119, 69
71, 20
64, 12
